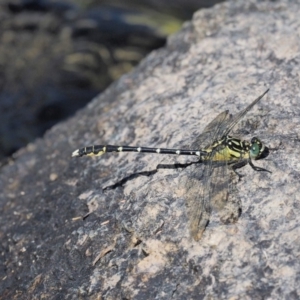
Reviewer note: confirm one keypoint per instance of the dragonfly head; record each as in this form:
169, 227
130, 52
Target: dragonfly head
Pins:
257, 149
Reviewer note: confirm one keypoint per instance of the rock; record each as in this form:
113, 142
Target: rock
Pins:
134, 242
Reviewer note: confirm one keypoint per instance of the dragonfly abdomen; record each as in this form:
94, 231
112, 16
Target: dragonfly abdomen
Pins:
97, 150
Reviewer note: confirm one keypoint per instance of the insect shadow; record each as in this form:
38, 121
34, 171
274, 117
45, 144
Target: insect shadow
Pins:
149, 173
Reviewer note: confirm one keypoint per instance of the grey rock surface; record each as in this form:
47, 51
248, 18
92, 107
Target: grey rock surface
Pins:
134, 242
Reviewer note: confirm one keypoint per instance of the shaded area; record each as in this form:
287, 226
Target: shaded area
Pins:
56, 56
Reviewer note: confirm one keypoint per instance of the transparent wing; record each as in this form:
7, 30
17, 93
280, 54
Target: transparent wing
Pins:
212, 131
222, 193
201, 177
198, 208
230, 123
221, 125
210, 185
213, 183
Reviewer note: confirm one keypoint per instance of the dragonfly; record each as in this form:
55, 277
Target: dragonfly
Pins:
220, 158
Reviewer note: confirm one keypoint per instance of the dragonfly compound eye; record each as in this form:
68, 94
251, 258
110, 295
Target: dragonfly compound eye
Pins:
256, 148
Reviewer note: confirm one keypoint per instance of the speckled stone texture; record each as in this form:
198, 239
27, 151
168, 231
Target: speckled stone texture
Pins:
134, 243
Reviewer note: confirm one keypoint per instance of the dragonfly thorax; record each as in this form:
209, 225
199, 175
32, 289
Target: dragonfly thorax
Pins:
235, 148
230, 149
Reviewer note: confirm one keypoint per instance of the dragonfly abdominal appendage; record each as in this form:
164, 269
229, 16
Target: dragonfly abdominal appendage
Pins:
211, 177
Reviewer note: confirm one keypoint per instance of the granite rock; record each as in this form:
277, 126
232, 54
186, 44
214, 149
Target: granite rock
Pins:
134, 242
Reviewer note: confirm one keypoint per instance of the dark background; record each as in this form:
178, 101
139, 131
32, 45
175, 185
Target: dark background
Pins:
55, 56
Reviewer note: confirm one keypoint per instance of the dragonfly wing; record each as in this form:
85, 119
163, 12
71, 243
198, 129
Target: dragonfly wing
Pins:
213, 131
198, 193
223, 195
214, 186
222, 125
198, 208
240, 115
211, 185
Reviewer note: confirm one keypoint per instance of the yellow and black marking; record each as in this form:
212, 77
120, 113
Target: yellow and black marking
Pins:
231, 149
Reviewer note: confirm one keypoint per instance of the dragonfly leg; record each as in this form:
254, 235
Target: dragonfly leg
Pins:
256, 168
238, 165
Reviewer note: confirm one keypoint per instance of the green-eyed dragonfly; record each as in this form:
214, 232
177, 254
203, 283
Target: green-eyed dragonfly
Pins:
221, 156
